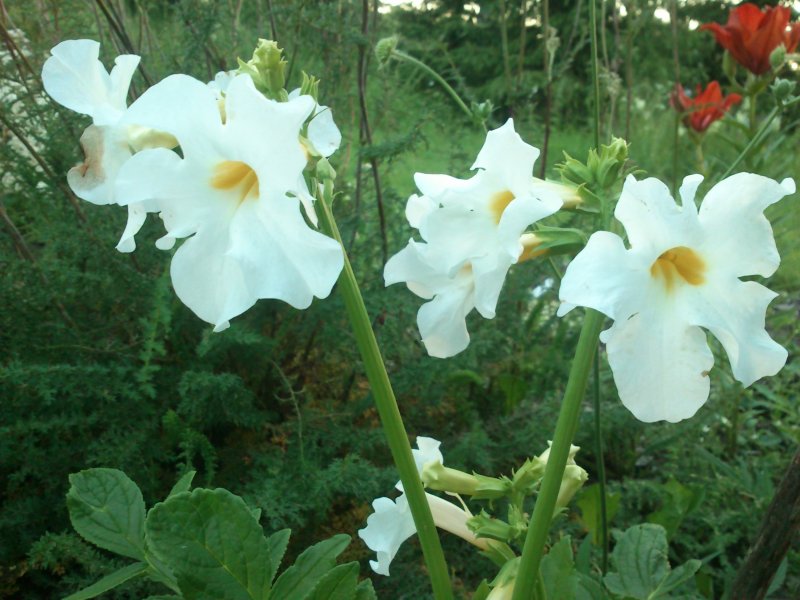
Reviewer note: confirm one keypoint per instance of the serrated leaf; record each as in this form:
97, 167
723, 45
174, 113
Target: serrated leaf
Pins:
107, 509
109, 582
337, 584
211, 542
296, 582
558, 571
278, 542
183, 484
642, 566
365, 591
588, 588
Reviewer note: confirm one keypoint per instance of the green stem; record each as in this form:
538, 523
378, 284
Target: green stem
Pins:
595, 77
601, 463
554, 471
399, 55
754, 140
391, 420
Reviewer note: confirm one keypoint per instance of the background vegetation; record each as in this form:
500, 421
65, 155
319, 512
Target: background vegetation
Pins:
101, 365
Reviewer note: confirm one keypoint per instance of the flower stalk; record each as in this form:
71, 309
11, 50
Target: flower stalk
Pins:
528, 574
388, 411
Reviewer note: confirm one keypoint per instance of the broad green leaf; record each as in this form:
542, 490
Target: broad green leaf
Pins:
588, 588
337, 584
107, 509
162, 597
277, 548
558, 571
213, 544
109, 582
642, 567
296, 582
365, 591
184, 484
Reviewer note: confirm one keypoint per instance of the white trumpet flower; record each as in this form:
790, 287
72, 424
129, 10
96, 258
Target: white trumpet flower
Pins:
473, 232
236, 192
682, 273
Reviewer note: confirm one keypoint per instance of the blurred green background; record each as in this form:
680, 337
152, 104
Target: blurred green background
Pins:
101, 365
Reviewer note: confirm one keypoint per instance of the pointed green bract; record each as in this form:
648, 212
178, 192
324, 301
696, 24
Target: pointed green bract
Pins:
277, 548
296, 582
107, 509
213, 544
184, 484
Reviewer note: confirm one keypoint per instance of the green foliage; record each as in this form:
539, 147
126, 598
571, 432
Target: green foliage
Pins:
204, 544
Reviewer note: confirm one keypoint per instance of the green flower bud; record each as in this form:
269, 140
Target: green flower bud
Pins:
503, 584
325, 171
310, 86
573, 480
481, 110
485, 526
385, 48
267, 69
783, 89
777, 57
729, 66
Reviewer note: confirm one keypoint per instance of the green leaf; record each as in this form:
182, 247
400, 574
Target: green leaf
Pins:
163, 597
277, 548
558, 571
482, 592
107, 509
109, 582
589, 503
213, 544
588, 588
337, 584
296, 582
365, 591
184, 484
642, 567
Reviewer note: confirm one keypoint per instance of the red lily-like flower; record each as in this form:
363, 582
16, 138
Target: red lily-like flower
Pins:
751, 35
706, 107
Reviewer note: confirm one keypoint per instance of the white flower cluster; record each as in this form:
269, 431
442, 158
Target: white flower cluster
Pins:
235, 190
680, 272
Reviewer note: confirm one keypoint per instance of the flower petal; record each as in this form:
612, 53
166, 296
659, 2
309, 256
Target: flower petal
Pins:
105, 151
739, 236
660, 365
651, 218
507, 157
734, 311
427, 450
323, 132
207, 280
606, 277
489, 273
442, 321
75, 78
387, 528
280, 256
137, 213
417, 208
409, 266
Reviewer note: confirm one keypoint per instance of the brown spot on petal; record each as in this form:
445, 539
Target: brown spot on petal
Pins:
89, 173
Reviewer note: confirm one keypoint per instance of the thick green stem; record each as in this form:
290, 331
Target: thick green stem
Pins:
601, 463
391, 420
554, 471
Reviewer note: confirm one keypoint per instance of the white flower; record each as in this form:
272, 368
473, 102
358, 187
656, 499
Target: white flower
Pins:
473, 232
392, 524
682, 273
75, 78
323, 134
235, 192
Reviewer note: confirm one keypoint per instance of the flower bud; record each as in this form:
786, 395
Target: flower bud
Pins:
310, 86
503, 584
385, 48
782, 89
485, 526
777, 57
481, 110
267, 69
325, 171
573, 479
438, 477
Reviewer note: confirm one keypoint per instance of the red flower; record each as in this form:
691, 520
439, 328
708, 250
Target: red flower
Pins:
751, 35
706, 107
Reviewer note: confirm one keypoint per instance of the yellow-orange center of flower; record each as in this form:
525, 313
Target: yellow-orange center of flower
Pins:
237, 177
679, 263
498, 203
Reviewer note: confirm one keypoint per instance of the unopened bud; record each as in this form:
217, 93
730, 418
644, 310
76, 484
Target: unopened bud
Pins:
267, 69
385, 48
777, 57
782, 89
573, 479
438, 477
325, 171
